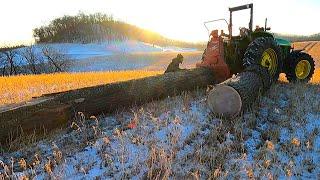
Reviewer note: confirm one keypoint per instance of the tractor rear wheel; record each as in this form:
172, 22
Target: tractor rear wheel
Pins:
266, 52
299, 67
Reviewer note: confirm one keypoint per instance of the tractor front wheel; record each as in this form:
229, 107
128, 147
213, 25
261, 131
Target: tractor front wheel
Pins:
266, 52
299, 67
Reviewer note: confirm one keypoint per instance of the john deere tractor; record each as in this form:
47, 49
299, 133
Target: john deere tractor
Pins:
227, 54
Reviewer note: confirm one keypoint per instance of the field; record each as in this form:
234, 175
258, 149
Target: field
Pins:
176, 138
131, 66
142, 60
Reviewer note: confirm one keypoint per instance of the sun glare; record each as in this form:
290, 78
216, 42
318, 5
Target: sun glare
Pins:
182, 20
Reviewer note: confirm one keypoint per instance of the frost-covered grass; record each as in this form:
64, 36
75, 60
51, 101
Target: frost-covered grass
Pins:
178, 138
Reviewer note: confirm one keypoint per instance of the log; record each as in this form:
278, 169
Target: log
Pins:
52, 111
229, 98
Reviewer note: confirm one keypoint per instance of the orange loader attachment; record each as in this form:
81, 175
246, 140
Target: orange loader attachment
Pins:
213, 58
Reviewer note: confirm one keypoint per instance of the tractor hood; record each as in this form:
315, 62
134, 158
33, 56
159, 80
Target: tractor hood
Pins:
283, 42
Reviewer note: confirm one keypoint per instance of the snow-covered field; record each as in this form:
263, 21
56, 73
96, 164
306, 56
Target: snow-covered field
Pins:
105, 56
78, 51
132, 61
178, 138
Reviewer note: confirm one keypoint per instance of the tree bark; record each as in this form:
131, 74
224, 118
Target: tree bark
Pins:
229, 98
55, 110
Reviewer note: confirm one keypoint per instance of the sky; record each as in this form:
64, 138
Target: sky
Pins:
177, 19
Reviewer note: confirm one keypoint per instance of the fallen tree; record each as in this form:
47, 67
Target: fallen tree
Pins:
52, 111
236, 94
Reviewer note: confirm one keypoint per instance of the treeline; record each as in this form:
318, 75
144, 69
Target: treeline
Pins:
16, 60
299, 38
99, 27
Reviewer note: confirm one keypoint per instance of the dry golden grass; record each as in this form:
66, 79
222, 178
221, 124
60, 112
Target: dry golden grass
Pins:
316, 77
20, 88
314, 80
300, 45
315, 53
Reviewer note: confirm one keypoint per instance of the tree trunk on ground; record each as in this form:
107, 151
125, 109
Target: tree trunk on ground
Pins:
54, 110
230, 97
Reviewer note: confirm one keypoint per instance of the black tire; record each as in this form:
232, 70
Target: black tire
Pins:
291, 64
255, 50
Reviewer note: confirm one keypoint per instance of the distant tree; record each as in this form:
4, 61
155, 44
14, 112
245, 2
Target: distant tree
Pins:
99, 27
33, 59
9, 54
57, 61
3, 64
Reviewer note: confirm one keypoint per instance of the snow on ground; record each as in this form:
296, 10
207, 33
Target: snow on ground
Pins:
178, 138
147, 61
108, 56
78, 51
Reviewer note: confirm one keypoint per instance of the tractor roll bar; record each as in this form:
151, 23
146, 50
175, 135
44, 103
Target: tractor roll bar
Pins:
238, 8
205, 23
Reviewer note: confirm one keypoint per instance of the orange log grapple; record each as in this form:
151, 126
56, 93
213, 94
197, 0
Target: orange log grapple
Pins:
213, 57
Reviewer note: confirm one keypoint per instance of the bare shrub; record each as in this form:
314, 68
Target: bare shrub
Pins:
9, 65
57, 61
35, 63
3, 64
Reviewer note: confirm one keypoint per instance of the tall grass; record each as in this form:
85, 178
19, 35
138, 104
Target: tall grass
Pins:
20, 88
314, 80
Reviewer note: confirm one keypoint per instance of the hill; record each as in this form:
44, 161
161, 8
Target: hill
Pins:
98, 27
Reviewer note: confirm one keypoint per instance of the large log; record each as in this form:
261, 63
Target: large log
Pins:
229, 98
55, 110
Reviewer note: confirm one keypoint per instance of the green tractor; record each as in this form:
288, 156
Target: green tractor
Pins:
227, 54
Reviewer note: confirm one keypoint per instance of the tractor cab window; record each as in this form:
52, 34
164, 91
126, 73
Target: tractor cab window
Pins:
240, 22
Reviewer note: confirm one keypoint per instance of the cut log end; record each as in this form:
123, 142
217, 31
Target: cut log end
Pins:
224, 101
